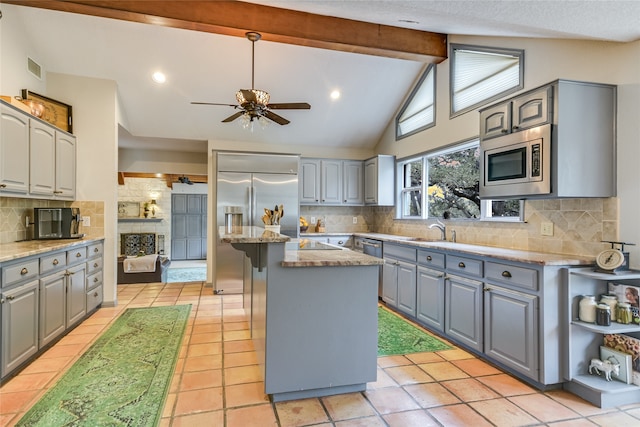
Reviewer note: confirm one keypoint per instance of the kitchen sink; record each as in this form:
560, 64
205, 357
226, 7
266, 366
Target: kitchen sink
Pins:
423, 239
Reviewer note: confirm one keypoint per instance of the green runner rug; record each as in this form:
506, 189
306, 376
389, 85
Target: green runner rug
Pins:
397, 336
124, 377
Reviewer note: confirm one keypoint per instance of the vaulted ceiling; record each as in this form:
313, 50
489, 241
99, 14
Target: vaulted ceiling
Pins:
372, 51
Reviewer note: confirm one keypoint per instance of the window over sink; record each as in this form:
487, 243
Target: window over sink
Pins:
445, 184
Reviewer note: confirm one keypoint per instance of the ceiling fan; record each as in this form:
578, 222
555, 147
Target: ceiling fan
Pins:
254, 103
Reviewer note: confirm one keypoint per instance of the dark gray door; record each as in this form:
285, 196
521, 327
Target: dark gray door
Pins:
188, 226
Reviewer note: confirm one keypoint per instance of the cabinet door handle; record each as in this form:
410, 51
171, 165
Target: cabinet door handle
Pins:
96, 250
56, 262
11, 297
461, 264
78, 255
487, 289
429, 258
57, 192
95, 265
3, 185
504, 130
95, 294
24, 271
506, 274
95, 279
515, 127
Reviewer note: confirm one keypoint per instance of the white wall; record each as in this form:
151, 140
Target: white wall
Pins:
156, 161
545, 61
94, 124
15, 46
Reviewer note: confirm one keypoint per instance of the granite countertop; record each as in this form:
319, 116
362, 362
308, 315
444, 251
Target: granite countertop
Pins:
530, 257
247, 234
15, 250
331, 256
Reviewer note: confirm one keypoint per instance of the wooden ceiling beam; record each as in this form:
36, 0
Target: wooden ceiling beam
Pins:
169, 178
235, 18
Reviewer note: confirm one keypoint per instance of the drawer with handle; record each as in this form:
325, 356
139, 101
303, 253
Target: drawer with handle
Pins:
521, 277
53, 262
94, 280
95, 250
468, 266
19, 271
75, 256
430, 259
94, 265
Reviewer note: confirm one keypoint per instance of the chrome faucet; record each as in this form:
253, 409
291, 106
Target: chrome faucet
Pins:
440, 226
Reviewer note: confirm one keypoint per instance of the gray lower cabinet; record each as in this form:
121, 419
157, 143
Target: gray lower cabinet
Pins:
399, 278
430, 306
431, 298
463, 313
76, 294
53, 307
45, 296
489, 306
19, 325
511, 329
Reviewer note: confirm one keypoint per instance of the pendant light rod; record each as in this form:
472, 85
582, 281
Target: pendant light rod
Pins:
253, 37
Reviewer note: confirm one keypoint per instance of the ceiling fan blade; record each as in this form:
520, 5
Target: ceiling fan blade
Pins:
233, 117
290, 106
213, 103
276, 118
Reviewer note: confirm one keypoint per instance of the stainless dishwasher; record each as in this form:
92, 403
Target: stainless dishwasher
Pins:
370, 247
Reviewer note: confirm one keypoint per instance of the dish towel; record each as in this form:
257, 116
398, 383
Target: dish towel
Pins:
140, 264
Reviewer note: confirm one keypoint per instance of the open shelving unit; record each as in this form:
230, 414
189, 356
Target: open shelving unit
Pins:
584, 340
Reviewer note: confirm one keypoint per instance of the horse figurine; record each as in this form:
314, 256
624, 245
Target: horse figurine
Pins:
607, 366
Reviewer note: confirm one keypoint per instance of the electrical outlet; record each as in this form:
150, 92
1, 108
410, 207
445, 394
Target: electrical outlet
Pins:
355, 219
546, 229
86, 221
313, 220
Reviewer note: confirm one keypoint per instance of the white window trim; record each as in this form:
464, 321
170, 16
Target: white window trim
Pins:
431, 69
494, 50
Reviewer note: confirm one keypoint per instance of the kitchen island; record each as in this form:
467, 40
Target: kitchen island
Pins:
312, 312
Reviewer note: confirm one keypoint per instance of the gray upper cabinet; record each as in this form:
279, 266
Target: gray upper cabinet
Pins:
522, 112
379, 181
36, 159
582, 121
42, 178
331, 182
532, 109
352, 182
14, 151
309, 180
65, 183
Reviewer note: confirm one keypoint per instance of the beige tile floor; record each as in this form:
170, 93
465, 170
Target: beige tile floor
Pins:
217, 381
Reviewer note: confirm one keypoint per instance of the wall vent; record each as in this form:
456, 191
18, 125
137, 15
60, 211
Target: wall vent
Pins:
34, 68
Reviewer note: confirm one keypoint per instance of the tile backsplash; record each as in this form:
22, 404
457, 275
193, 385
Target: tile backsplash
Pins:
579, 225
14, 213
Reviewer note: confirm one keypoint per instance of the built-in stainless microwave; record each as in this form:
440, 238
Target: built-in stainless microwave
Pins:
517, 164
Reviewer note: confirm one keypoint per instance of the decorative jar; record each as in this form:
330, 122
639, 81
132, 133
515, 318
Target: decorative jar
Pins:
603, 315
612, 302
587, 309
623, 313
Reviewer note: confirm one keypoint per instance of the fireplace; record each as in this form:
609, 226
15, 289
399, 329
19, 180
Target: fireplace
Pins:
136, 243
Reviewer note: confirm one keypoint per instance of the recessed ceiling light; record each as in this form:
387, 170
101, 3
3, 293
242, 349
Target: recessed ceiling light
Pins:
159, 77
335, 94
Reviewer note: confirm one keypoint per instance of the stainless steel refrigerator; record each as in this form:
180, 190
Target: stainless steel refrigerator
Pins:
250, 183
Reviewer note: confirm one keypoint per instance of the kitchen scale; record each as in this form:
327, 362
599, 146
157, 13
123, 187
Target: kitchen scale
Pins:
613, 260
